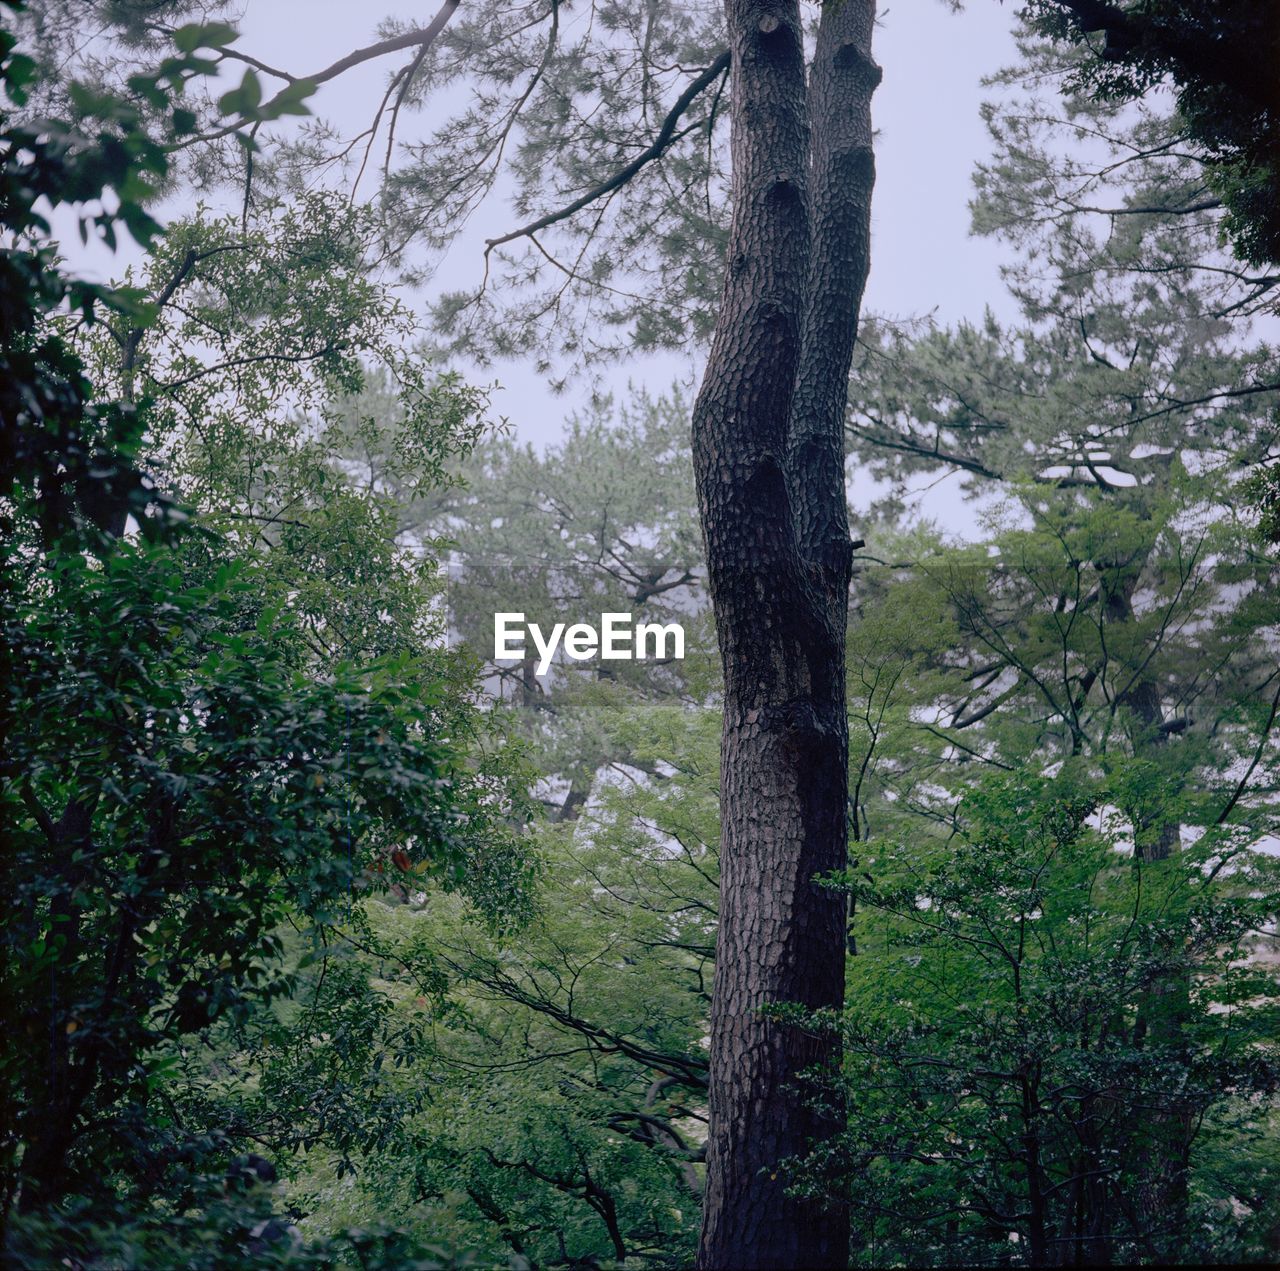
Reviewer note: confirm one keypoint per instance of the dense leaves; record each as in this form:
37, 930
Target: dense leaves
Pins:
209, 761
1030, 1008
178, 789
75, 456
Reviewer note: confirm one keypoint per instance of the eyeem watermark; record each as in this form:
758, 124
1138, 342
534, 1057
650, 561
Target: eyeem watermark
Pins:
615, 640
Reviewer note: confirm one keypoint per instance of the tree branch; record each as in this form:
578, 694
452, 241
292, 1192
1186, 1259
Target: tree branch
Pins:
421, 38
1257, 758
42, 818
655, 150
291, 358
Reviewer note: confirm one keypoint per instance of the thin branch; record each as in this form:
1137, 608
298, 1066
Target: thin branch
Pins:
655, 150
1257, 758
291, 358
421, 37
42, 818
425, 36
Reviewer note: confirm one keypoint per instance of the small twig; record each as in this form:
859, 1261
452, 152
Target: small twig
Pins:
1257, 758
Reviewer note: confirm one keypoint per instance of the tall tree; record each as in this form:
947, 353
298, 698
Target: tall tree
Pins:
767, 440
1116, 421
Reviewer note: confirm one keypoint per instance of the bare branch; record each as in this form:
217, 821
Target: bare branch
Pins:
290, 358
1257, 758
421, 37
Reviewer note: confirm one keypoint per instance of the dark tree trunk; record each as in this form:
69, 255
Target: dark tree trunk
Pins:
768, 454
50, 1124
1161, 1137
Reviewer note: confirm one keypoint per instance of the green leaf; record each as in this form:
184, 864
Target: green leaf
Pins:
19, 73
146, 87
242, 101
88, 101
141, 224
291, 100
204, 35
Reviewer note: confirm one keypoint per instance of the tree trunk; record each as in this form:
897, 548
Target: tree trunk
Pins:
50, 1125
768, 455
1162, 1137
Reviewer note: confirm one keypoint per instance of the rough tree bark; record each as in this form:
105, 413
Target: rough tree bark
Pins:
768, 455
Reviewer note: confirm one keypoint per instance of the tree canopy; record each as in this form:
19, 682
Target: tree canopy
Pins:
1220, 61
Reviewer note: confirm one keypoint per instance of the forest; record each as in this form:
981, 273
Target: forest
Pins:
915, 907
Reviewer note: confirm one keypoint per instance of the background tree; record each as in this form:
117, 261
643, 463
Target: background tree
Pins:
605, 131
1110, 531
568, 1063
1003, 1093
537, 1093
1227, 121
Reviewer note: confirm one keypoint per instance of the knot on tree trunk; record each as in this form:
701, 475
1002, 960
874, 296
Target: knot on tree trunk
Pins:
797, 721
784, 192
777, 39
856, 63
856, 164
830, 562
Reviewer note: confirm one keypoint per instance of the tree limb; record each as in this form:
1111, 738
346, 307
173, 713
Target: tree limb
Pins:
654, 150
1257, 758
421, 38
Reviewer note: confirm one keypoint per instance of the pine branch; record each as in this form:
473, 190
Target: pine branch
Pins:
656, 148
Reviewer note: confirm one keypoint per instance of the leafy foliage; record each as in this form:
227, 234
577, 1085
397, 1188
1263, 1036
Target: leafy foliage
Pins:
1011, 1048
74, 456
527, 105
545, 1089
195, 791
299, 986
201, 751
